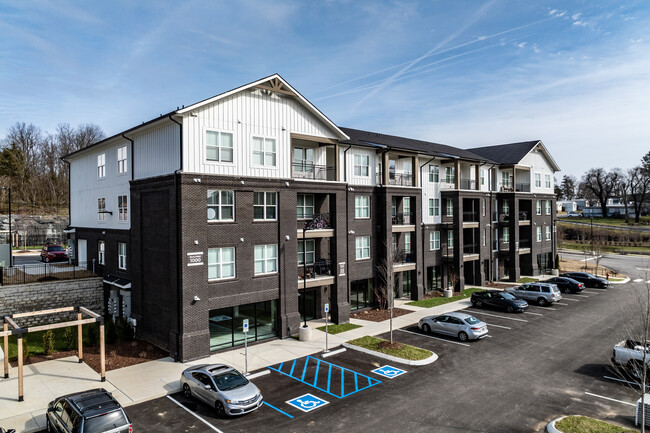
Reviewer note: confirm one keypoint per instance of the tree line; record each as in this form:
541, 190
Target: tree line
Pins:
31, 165
598, 184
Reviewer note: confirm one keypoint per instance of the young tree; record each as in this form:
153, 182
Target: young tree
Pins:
384, 290
600, 185
568, 187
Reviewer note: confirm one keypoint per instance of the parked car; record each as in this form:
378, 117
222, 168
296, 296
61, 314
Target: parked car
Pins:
573, 214
541, 293
93, 411
53, 252
629, 354
455, 324
589, 280
222, 387
7, 431
495, 298
566, 284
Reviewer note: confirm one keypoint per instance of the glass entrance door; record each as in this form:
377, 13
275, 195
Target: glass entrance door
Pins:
309, 303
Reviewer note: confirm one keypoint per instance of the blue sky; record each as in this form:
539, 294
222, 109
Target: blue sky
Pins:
575, 74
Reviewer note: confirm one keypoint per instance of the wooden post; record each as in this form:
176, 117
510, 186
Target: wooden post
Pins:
5, 328
20, 367
102, 356
80, 339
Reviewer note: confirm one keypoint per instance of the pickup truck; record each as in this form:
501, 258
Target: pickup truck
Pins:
629, 353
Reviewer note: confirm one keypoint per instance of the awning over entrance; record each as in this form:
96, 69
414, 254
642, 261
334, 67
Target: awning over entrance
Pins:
116, 281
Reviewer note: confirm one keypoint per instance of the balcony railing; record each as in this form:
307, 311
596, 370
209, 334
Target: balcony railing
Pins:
402, 256
400, 219
524, 244
321, 267
306, 170
523, 215
467, 184
506, 187
318, 221
470, 217
522, 187
471, 249
402, 179
40, 273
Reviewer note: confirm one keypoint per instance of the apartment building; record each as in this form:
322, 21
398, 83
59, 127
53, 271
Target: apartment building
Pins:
254, 205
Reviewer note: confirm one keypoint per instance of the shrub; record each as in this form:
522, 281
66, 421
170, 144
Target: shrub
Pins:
70, 338
48, 342
124, 330
25, 349
92, 333
111, 332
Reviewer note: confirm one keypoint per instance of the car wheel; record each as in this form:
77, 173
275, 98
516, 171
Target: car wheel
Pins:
567, 290
187, 392
218, 407
462, 336
47, 260
479, 303
510, 309
542, 302
426, 328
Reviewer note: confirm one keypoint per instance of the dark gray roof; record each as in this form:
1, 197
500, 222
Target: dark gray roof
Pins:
511, 153
374, 139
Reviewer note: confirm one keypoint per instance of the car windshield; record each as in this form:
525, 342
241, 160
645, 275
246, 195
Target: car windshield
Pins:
230, 380
57, 248
472, 320
508, 296
105, 422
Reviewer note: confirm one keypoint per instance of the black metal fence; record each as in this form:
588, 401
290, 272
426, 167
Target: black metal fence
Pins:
40, 273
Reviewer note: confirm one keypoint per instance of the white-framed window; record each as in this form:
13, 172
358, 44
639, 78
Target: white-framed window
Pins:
506, 207
264, 151
122, 208
483, 207
393, 238
303, 159
450, 174
434, 174
538, 207
482, 176
407, 242
101, 166
548, 207
221, 205
310, 247
121, 255
362, 244
450, 240
505, 179
434, 240
361, 165
406, 207
101, 252
101, 209
362, 206
547, 180
265, 205
450, 207
221, 263
506, 235
218, 146
538, 231
484, 236
547, 229
266, 259
121, 160
538, 180
305, 206
434, 207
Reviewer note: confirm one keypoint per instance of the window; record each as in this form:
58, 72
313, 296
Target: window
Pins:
406, 209
538, 207
547, 180
407, 242
122, 207
434, 241
221, 205
538, 180
101, 209
434, 207
483, 206
218, 146
266, 259
265, 205
362, 165
505, 179
264, 151
547, 229
450, 207
101, 251
121, 160
101, 165
362, 206
221, 263
121, 255
305, 206
303, 160
506, 207
393, 206
434, 173
450, 240
310, 247
548, 207
482, 176
362, 247
450, 174
539, 233
506, 235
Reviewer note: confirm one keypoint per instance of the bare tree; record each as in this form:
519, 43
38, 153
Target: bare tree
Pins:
600, 185
639, 188
568, 187
384, 290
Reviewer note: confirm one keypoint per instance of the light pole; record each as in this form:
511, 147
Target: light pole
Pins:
8, 188
304, 276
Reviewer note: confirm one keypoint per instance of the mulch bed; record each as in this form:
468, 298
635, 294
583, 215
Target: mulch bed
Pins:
377, 315
118, 355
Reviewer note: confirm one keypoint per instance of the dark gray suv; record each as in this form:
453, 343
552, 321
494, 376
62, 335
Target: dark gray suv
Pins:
94, 411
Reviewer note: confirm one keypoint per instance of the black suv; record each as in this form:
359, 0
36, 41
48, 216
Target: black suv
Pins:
94, 411
589, 280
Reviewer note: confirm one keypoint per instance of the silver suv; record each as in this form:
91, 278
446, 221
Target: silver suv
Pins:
541, 293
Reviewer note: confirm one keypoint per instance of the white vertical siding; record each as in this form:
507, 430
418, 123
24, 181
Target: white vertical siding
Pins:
157, 151
430, 190
374, 159
538, 164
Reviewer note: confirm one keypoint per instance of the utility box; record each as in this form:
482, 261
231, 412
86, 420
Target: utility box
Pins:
637, 421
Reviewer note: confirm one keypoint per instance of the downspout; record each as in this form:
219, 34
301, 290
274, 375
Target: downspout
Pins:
345, 164
347, 214
179, 265
423, 227
132, 158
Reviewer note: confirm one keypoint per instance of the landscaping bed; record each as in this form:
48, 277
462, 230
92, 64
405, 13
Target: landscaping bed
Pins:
437, 299
337, 329
378, 315
399, 350
583, 424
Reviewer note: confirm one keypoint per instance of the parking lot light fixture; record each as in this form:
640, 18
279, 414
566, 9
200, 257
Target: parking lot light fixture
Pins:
11, 262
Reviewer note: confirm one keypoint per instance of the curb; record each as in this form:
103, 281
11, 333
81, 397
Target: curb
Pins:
550, 427
392, 358
626, 280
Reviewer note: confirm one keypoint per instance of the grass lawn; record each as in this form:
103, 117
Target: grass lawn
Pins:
572, 245
619, 222
583, 424
337, 329
432, 302
406, 352
527, 280
34, 341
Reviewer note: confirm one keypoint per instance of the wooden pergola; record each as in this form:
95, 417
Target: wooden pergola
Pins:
8, 321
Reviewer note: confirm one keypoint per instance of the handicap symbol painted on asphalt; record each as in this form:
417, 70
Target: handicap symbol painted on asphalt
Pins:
388, 371
307, 402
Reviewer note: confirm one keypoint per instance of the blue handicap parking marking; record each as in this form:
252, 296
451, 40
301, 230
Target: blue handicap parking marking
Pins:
307, 402
388, 371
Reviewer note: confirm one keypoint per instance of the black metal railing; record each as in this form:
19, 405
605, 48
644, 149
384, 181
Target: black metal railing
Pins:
522, 187
471, 249
523, 215
305, 170
470, 217
40, 273
318, 221
316, 269
403, 179
400, 219
504, 217
402, 256
524, 243
467, 184
507, 188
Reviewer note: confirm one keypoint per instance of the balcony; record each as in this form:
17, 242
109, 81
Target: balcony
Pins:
306, 170
524, 246
403, 222
524, 219
396, 178
522, 187
403, 261
317, 227
315, 274
470, 252
468, 184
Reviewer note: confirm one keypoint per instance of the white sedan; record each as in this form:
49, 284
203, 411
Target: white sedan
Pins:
455, 324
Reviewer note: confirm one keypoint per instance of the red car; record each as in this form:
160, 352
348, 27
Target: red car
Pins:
53, 252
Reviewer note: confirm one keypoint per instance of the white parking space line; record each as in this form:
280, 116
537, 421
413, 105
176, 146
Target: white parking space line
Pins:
592, 293
560, 303
488, 336
610, 399
495, 315
498, 326
195, 415
572, 300
435, 338
620, 380
534, 314
638, 280
582, 296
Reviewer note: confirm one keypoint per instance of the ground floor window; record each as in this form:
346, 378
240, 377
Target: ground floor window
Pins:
434, 280
226, 324
361, 294
545, 262
309, 303
406, 284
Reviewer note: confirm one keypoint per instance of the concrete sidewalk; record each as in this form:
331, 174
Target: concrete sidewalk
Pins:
47, 380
